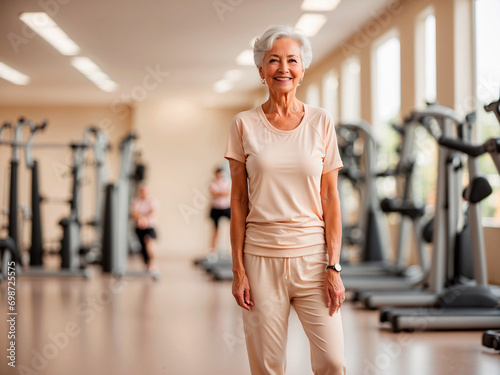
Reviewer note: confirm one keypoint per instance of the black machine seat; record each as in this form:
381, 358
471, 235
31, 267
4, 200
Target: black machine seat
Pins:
478, 190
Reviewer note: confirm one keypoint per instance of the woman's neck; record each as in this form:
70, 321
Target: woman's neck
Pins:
282, 104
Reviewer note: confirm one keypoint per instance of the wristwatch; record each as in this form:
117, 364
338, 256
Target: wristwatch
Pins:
336, 267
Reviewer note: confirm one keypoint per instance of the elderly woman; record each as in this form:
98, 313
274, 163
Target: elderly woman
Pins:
285, 220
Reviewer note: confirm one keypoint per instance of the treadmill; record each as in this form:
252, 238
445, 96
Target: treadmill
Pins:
357, 149
446, 222
459, 306
385, 275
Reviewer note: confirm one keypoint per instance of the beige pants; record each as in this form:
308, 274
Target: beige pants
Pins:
275, 285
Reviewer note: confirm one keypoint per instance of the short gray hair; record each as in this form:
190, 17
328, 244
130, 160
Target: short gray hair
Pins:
267, 40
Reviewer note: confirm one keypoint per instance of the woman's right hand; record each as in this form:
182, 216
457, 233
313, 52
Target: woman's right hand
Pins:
241, 290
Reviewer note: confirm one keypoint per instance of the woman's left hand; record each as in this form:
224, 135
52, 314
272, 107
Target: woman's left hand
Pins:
334, 290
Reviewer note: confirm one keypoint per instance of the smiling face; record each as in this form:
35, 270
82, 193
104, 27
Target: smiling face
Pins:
282, 66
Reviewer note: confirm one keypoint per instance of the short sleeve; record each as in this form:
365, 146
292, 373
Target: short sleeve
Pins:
332, 158
234, 147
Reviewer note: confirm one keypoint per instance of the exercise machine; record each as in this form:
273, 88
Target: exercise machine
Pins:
469, 306
70, 265
374, 271
357, 148
491, 339
97, 141
443, 270
116, 242
8, 249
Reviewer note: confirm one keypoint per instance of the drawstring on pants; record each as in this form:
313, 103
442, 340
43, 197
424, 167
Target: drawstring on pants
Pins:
286, 268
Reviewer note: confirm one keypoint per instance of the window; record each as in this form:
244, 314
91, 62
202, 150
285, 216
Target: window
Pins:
430, 58
330, 94
386, 76
312, 95
487, 31
350, 90
425, 57
425, 176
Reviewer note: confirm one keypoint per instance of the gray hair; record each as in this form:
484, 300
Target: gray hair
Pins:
267, 40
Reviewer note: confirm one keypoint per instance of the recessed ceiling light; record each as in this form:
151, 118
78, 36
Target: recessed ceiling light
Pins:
90, 70
245, 58
222, 86
319, 5
43, 25
310, 23
12, 75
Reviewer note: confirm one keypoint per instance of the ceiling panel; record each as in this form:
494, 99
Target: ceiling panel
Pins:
188, 39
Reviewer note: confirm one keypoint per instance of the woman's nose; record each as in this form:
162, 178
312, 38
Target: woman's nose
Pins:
283, 67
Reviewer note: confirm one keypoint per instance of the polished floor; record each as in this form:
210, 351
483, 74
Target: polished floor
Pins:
186, 324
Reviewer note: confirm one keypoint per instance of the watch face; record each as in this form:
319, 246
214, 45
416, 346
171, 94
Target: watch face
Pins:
338, 267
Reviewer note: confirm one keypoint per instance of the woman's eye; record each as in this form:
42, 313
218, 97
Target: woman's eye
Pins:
293, 60
273, 60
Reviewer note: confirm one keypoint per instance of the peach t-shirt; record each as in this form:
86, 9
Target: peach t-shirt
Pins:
284, 169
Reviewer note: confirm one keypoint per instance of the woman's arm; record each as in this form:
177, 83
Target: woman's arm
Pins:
334, 288
134, 212
239, 212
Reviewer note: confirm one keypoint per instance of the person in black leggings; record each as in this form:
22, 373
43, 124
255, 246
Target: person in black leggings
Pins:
220, 190
144, 208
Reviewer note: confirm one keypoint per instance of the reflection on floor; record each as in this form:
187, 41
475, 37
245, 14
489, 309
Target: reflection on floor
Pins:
186, 324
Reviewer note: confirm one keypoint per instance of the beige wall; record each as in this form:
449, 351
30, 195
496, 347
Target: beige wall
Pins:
66, 124
182, 144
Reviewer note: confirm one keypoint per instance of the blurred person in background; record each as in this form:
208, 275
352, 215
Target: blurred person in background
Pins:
143, 210
220, 206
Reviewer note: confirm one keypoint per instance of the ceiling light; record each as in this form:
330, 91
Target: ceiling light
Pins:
222, 86
319, 5
311, 23
90, 70
45, 26
233, 75
245, 58
12, 75
107, 85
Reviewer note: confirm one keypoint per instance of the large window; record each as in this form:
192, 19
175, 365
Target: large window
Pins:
329, 95
425, 176
425, 57
487, 32
387, 97
351, 90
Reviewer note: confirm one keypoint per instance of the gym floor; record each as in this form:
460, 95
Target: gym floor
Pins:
186, 324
